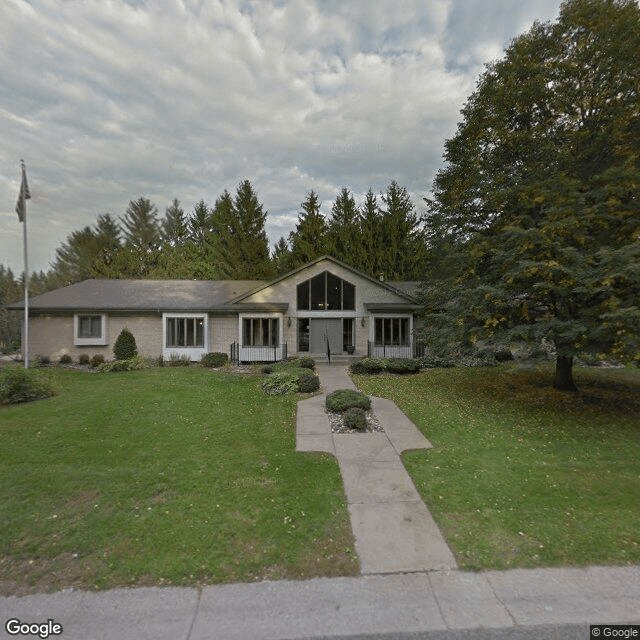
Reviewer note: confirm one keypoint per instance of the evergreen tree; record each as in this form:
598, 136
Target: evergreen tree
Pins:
281, 257
309, 240
373, 242
140, 226
344, 237
540, 192
174, 227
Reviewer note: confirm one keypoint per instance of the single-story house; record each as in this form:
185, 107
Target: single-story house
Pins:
322, 305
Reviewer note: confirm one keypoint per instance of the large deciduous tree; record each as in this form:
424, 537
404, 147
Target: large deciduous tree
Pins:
540, 196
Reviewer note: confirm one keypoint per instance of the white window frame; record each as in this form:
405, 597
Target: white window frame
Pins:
100, 341
195, 353
260, 353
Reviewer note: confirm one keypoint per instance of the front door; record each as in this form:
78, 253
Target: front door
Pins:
320, 329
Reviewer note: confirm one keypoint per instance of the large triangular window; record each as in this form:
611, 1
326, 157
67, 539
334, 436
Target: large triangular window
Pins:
326, 292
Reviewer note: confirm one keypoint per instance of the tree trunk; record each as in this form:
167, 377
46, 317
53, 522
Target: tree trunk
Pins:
564, 374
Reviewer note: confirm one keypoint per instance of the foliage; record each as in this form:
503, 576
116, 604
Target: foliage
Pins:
41, 361
367, 365
125, 346
402, 365
343, 399
309, 239
308, 381
538, 202
96, 360
355, 418
178, 360
280, 383
137, 363
84, 359
19, 385
215, 359
65, 358
307, 362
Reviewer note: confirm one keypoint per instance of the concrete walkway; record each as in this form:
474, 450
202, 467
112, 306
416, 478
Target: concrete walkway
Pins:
429, 603
393, 529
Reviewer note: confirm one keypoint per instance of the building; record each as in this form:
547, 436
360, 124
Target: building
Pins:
323, 305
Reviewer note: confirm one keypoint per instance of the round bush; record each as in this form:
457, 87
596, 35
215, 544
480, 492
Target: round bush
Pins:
308, 381
402, 365
355, 418
214, 360
84, 359
97, 360
343, 399
65, 358
307, 362
125, 347
367, 365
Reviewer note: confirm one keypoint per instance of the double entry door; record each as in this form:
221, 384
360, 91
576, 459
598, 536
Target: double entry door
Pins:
321, 329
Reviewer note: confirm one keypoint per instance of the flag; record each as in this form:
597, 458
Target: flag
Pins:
21, 205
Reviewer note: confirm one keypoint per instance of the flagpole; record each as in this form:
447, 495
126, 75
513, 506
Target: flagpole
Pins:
25, 346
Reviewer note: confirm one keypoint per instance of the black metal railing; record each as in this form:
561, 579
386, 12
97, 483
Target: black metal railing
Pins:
409, 350
238, 353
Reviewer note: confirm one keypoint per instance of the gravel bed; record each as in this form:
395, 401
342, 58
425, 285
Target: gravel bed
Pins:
337, 424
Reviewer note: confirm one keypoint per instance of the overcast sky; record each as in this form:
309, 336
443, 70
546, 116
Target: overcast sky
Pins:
110, 100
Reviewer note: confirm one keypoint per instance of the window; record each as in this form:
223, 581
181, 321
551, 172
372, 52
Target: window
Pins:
326, 292
303, 334
392, 331
185, 332
89, 326
260, 332
90, 329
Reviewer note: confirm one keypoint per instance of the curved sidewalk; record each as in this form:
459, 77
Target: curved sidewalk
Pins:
393, 529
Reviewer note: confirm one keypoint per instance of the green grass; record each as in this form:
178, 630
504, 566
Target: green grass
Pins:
164, 476
522, 475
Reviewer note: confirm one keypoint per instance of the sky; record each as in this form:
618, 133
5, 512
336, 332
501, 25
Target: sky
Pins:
108, 101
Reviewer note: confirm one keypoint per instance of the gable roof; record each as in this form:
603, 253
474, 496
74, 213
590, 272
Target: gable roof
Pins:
381, 283
132, 295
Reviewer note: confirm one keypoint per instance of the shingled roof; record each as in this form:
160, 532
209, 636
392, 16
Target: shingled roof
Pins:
132, 295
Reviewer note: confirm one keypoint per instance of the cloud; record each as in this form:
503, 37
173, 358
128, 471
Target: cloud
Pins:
109, 100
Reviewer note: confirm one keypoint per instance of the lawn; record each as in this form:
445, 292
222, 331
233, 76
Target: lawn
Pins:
178, 476
522, 475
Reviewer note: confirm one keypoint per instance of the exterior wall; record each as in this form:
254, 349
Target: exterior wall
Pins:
223, 331
286, 291
52, 335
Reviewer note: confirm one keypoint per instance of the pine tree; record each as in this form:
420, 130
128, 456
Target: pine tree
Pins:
309, 240
344, 237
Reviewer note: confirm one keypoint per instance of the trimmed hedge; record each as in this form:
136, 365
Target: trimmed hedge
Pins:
367, 365
402, 365
307, 362
214, 360
342, 399
132, 364
97, 360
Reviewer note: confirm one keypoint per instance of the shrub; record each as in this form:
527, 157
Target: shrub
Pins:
307, 362
214, 360
178, 360
402, 365
343, 399
367, 365
125, 347
65, 358
308, 381
355, 418
84, 359
133, 364
503, 355
23, 385
267, 368
97, 360
41, 361
280, 383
